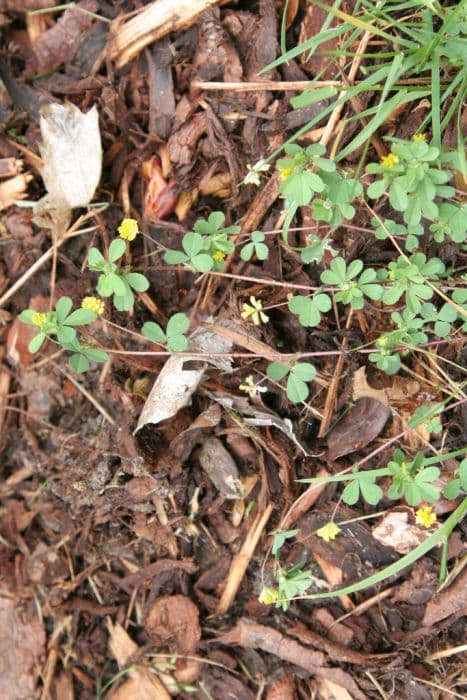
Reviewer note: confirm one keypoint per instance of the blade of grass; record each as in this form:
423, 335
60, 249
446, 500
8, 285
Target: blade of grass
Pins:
435, 100
432, 541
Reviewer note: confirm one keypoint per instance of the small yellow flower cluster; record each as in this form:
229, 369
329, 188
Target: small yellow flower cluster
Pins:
254, 310
93, 304
285, 171
250, 387
425, 516
329, 531
268, 595
218, 256
389, 161
128, 229
419, 137
39, 318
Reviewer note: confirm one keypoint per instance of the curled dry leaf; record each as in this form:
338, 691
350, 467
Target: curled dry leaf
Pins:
72, 155
360, 425
221, 469
177, 381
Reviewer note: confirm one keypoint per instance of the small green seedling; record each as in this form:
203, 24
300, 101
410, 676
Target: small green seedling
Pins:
352, 291
59, 323
298, 376
256, 246
309, 309
411, 480
205, 247
174, 336
114, 280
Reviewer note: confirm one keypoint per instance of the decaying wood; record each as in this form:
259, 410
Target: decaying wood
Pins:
253, 636
155, 21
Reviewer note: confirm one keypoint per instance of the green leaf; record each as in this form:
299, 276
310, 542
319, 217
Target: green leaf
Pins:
177, 343
36, 342
117, 284
452, 489
308, 314
377, 189
95, 259
178, 324
63, 308
137, 281
153, 332
116, 249
304, 371
96, 354
247, 251
125, 301
371, 492
202, 262
26, 316
80, 317
297, 390
277, 371
79, 363
66, 334
105, 285
351, 492
192, 244
175, 257
279, 538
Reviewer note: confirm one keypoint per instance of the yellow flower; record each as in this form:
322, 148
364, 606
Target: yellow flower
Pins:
329, 531
285, 171
39, 318
425, 516
93, 304
128, 229
218, 256
419, 137
254, 310
250, 387
389, 161
268, 595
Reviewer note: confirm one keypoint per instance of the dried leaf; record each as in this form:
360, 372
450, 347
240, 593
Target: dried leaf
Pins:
360, 425
395, 531
72, 154
177, 381
221, 469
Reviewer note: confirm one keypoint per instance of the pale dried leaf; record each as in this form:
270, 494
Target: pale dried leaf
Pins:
255, 417
361, 388
72, 155
177, 381
395, 531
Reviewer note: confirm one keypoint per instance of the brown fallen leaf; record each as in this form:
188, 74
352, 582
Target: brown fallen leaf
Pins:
221, 468
282, 689
173, 622
360, 426
452, 599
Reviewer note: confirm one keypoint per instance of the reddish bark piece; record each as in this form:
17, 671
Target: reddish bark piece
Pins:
360, 426
58, 44
173, 622
282, 689
22, 646
252, 636
161, 195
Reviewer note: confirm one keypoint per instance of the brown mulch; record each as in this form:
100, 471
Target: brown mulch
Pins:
123, 552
